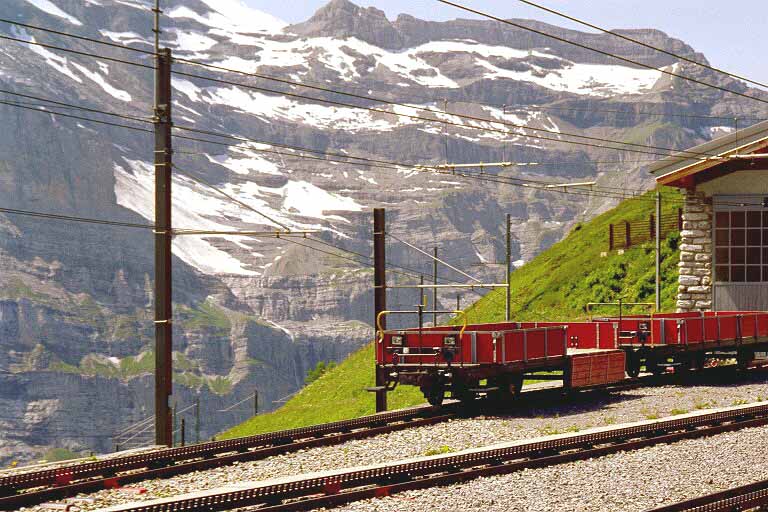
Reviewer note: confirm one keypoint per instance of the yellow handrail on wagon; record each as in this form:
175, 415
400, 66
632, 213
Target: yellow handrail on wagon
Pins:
382, 314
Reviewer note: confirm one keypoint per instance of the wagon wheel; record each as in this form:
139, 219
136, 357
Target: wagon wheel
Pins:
516, 384
633, 364
684, 364
699, 361
653, 365
462, 392
743, 358
435, 393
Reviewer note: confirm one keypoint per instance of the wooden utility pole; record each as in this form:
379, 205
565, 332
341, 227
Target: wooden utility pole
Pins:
434, 290
163, 240
658, 250
508, 293
379, 288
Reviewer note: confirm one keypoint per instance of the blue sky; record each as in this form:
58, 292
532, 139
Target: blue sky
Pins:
730, 37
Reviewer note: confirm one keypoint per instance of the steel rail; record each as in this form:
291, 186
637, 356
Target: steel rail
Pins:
746, 497
67, 481
345, 486
70, 480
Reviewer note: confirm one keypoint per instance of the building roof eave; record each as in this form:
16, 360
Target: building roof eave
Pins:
685, 163
694, 166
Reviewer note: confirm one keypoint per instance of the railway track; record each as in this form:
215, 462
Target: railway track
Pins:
36, 487
747, 497
343, 486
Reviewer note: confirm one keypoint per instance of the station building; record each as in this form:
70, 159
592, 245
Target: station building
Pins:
724, 241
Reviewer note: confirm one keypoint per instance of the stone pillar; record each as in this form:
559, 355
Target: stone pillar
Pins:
694, 291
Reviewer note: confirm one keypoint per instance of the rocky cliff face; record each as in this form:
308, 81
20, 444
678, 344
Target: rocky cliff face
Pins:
76, 331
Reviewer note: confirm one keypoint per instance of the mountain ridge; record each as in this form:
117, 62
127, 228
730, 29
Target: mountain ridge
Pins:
259, 312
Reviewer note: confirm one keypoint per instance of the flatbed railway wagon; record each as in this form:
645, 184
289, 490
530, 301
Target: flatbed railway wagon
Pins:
494, 359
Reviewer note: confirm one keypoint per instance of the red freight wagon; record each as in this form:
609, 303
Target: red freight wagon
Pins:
493, 359
686, 340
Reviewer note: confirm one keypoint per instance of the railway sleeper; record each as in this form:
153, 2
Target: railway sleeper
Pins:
546, 452
154, 464
397, 478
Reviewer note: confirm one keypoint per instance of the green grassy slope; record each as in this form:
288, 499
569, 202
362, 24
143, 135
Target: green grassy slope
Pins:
338, 394
554, 286
558, 283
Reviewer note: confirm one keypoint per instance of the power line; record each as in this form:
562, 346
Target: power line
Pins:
628, 112
315, 151
511, 164
596, 50
78, 107
76, 52
56, 216
104, 222
307, 83
547, 186
287, 236
489, 178
322, 87
646, 45
231, 198
390, 165
462, 116
76, 36
346, 156
109, 123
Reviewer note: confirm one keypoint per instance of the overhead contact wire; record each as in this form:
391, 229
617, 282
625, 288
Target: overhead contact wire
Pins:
596, 50
641, 43
670, 151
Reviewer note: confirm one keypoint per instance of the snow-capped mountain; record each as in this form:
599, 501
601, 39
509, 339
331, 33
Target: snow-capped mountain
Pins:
75, 299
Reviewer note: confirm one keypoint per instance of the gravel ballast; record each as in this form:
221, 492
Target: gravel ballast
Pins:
600, 409
628, 481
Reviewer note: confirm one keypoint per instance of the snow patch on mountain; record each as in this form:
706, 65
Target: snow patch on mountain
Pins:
386, 118
473, 47
125, 38
280, 107
309, 200
57, 62
187, 88
102, 82
342, 56
583, 79
246, 163
231, 17
195, 208
719, 131
245, 17
135, 190
53, 10
143, 5
192, 41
